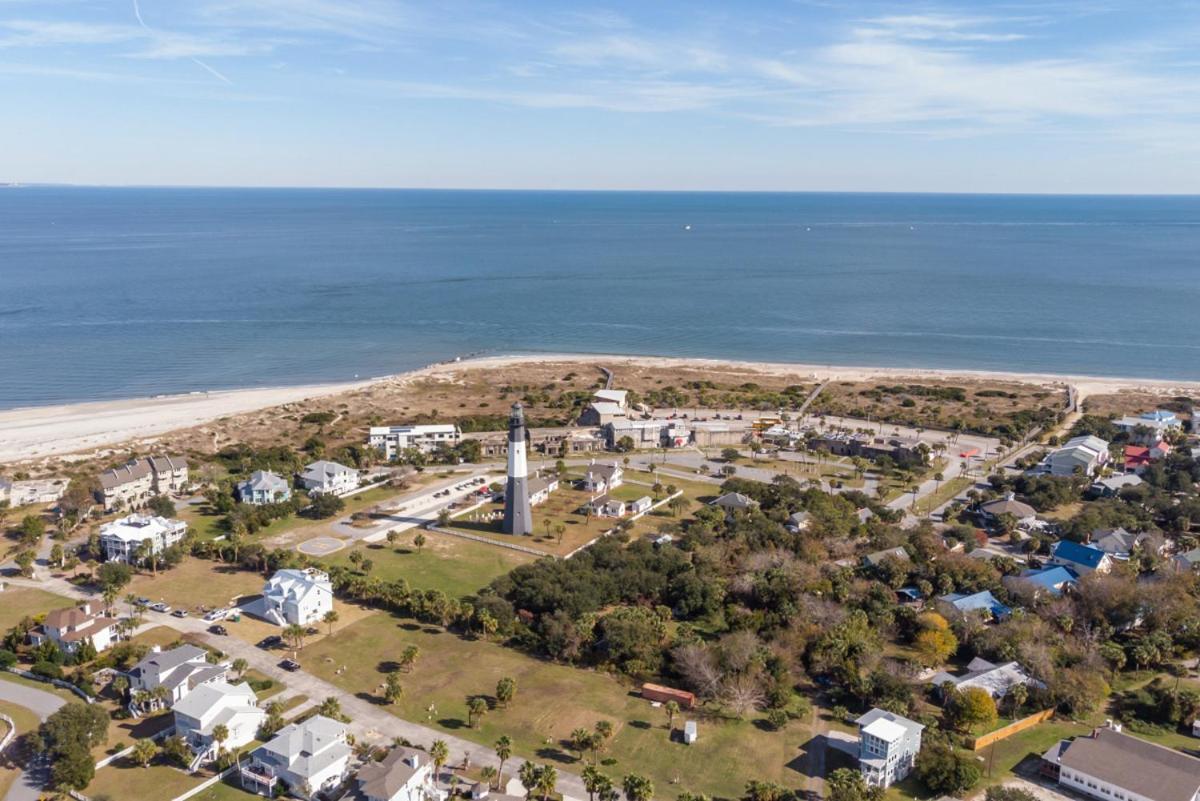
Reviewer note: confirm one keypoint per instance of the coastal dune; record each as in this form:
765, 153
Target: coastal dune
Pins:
56, 431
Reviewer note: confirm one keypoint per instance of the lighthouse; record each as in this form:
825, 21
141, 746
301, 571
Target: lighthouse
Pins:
518, 517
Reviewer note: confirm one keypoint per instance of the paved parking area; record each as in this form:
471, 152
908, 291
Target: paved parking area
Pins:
321, 546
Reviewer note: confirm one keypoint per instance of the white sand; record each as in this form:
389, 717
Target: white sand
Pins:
56, 430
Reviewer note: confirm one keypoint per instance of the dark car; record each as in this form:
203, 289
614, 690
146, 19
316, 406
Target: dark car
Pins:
290, 665
274, 641
218, 630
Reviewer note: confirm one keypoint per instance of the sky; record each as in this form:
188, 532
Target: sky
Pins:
1060, 96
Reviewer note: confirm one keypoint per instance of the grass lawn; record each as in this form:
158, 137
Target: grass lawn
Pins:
562, 507
255, 677
196, 582
26, 722
158, 782
552, 700
17, 602
456, 566
943, 494
225, 790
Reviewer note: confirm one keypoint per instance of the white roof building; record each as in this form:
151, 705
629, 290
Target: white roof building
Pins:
393, 440
324, 476
121, 538
296, 596
218, 703
180, 669
617, 396
1081, 455
309, 757
887, 746
997, 680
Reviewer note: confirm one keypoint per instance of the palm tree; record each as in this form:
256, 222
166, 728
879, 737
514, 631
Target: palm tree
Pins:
295, 633
240, 666
672, 708
488, 774
330, 618
408, 659
393, 691
477, 707
637, 788
331, 707
439, 752
591, 781
220, 734
144, 751
503, 749
528, 774
547, 780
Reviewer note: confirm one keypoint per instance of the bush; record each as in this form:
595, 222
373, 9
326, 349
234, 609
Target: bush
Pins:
7, 658
47, 670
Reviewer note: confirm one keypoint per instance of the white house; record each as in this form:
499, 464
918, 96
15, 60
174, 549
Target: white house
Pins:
405, 774
262, 487
297, 596
309, 758
320, 477
181, 670
1112, 766
122, 538
1149, 427
540, 488
391, 441
603, 477
641, 505
25, 493
1079, 456
996, 680
69, 628
217, 703
887, 746
607, 506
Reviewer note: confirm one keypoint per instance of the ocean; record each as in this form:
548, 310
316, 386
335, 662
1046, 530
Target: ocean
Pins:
125, 292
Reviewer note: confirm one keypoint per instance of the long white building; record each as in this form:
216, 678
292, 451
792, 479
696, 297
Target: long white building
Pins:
1112, 766
391, 441
122, 538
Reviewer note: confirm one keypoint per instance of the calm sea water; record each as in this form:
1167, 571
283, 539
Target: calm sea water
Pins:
108, 293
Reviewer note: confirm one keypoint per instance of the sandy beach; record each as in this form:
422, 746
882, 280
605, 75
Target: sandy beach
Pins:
38, 432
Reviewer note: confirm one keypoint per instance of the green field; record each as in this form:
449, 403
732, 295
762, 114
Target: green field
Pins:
195, 582
552, 700
454, 565
17, 602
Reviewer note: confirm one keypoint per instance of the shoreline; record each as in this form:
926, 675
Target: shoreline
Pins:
36, 432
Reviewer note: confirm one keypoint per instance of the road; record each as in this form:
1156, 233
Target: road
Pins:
29, 783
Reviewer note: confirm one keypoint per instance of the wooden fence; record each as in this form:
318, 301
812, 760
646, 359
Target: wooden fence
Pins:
984, 740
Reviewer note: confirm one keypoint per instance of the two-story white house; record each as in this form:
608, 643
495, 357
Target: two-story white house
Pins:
887, 746
405, 774
308, 758
214, 704
603, 477
180, 669
71, 627
391, 441
262, 487
122, 538
294, 596
1082, 456
323, 476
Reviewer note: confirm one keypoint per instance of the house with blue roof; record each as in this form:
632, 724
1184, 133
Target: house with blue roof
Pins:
975, 603
1053, 579
1083, 559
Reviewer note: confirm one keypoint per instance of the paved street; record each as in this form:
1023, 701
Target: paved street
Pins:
28, 784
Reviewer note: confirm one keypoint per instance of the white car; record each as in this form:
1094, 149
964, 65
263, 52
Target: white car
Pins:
216, 614
160, 607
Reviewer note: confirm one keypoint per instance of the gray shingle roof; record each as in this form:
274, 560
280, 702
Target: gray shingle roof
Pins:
1153, 771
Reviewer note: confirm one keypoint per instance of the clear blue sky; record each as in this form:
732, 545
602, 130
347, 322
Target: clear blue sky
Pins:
1047, 96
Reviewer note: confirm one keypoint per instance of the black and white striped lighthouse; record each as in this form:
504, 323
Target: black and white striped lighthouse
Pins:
518, 516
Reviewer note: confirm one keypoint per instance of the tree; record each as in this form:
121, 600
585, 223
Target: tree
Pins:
625, 444
393, 691
506, 690
477, 707
604, 732
408, 659
547, 780
487, 623
592, 781
637, 788
392, 537
144, 752
220, 734
439, 752
443, 517
32, 529
672, 709
326, 504
581, 741
945, 771
57, 555
971, 707
559, 530
331, 707
1002, 793
845, 784
503, 750
419, 541
935, 642
240, 666
67, 737
730, 454
294, 633
162, 506
763, 791
114, 575
330, 618
25, 561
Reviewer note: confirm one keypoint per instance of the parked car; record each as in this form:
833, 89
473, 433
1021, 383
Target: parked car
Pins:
160, 607
218, 630
143, 602
274, 641
216, 614
179, 613
290, 665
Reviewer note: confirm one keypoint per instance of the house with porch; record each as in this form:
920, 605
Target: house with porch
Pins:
308, 758
263, 487
887, 747
404, 774
1083, 559
199, 714
72, 627
180, 670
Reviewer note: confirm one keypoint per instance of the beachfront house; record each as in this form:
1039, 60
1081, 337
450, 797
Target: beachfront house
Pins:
308, 758
292, 596
887, 747
214, 704
263, 487
323, 476
133, 538
405, 774
72, 627
392, 441
31, 491
1149, 427
180, 670
133, 484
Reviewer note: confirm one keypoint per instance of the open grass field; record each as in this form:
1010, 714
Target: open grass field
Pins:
562, 507
195, 582
552, 700
225, 790
17, 602
456, 566
159, 782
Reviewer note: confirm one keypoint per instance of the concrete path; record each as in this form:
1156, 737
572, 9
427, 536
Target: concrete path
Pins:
29, 783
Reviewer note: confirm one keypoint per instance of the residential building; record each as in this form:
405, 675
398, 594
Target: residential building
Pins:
263, 487
323, 476
992, 512
607, 506
798, 521
1113, 766
1137, 458
1189, 560
644, 433
122, 538
308, 758
405, 774
735, 502
392, 441
876, 558
983, 603
180, 670
1083, 559
887, 746
549, 441
1054, 579
300, 597
540, 488
217, 703
26, 493
1079, 456
69, 628
1150, 427
603, 477
136, 482
641, 505
1111, 487
1120, 544
996, 680
601, 413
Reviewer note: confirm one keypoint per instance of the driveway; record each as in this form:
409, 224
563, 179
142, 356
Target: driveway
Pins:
29, 783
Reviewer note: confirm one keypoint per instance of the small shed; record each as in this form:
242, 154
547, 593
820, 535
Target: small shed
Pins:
690, 732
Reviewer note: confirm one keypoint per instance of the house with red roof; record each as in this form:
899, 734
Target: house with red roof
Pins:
1137, 458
